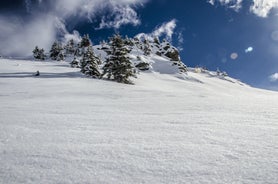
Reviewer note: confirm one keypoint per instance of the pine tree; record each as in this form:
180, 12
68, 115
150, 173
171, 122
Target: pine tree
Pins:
78, 52
36, 52
85, 42
75, 63
39, 53
61, 56
90, 63
117, 65
156, 41
147, 48
56, 51
70, 47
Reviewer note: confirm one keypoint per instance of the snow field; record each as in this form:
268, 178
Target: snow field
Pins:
62, 127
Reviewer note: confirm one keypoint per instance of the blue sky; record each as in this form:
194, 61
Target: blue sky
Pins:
236, 36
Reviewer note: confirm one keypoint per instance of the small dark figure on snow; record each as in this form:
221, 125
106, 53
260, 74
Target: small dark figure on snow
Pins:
37, 73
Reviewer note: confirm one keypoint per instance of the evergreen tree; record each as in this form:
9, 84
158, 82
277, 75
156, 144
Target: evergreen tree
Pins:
90, 63
78, 52
74, 63
36, 52
70, 47
128, 41
42, 55
147, 48
61, 56
85, 42
39, 53
156, 41
117, 65
55, 52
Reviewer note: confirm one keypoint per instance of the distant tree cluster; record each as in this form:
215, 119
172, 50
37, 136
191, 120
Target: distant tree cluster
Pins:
117, 66
155, 46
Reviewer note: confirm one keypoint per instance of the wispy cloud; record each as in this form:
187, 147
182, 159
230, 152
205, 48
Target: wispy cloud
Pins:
232, 4
180, 41
120, 16
211, 2
261, 8
48, 20
166, 29
273, 77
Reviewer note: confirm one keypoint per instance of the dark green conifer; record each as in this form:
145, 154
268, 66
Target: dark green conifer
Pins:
55, 51
85, 42
90, 63
39, 53
117, 65
147, 48
70, 47
75, 63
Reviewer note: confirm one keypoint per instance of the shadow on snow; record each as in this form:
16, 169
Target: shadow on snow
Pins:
42, 75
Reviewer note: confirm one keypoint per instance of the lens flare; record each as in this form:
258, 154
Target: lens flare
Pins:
249, 49
274, 35
234, 56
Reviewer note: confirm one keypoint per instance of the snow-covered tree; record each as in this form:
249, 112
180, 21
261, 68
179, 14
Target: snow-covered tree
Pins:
117, 65
90, 63
61, 56
85, 41
39, 53
147, 48
55, 51
156, 41
143, 66
78, 51
70, 47
75, 63
128, 41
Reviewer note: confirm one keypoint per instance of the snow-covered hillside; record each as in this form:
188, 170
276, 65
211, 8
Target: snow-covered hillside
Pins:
196, 127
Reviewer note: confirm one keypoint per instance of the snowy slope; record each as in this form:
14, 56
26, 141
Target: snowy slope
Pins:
62, 127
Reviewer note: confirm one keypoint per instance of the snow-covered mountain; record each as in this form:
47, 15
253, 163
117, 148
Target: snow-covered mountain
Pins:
175, 125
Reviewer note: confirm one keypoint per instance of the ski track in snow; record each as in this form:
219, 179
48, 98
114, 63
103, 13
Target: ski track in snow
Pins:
62, 127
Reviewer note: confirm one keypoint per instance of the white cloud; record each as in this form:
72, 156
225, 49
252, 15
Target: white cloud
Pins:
263, 7
18, 36
233, 4
260, 8
122, 16
273, 77
89, 8
180, 41
166, 29
211, 2
75, 36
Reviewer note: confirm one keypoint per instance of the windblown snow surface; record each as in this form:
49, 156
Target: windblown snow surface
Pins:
62, 127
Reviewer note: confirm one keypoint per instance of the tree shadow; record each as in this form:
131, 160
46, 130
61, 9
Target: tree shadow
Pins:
42, 75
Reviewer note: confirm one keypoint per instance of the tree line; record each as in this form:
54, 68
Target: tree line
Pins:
117, 66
